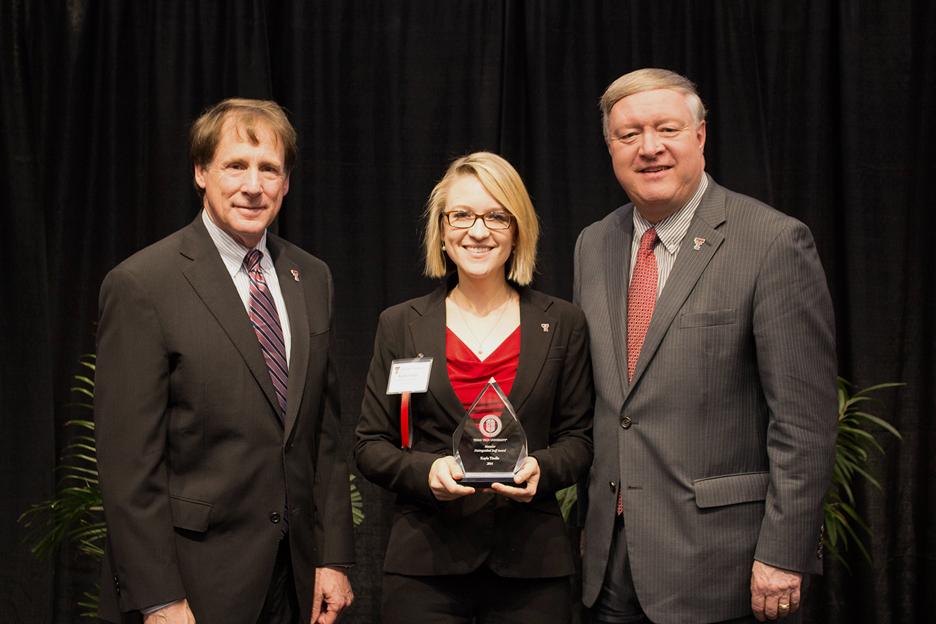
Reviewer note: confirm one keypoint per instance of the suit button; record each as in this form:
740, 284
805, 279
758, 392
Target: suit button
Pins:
626, 422
613, 486
275, 517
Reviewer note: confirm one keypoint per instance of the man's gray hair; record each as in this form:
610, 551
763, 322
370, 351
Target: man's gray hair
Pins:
648, 80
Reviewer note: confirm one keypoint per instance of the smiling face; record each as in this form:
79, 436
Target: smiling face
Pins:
479, 253
244, 184
656, 151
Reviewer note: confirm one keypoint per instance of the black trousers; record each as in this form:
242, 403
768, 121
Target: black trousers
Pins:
480, 597
282, 603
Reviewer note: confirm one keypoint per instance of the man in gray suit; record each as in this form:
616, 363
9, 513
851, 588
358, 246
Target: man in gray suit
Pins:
712, 338
225, 489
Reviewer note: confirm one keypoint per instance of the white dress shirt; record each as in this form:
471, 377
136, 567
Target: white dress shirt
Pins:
233, 254
671, 232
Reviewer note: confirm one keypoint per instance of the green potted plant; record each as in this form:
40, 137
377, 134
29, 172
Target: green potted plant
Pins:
851, 460
76, 512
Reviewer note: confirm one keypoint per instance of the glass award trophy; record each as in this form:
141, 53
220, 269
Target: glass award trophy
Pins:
490, 444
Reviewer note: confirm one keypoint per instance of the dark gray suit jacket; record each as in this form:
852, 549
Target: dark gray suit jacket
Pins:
552, 394
195, 461
723, 443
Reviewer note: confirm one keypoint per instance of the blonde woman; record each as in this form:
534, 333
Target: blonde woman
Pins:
457, 554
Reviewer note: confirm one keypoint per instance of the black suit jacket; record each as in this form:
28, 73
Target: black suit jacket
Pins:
552, 394
195, 461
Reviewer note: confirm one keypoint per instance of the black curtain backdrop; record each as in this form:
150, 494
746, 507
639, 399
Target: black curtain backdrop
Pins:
817, 107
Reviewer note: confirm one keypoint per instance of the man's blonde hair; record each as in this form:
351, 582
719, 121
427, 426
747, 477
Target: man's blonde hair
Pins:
648, 80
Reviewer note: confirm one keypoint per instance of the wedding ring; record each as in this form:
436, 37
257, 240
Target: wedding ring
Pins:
783, 606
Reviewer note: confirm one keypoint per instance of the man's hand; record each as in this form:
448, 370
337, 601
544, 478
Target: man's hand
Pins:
332, 594
775, 592
176, 613
443, 479
529, 472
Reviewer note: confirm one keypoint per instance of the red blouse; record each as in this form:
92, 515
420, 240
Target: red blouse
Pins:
469, 375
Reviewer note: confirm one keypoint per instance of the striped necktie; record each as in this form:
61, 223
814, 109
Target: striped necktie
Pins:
266, 323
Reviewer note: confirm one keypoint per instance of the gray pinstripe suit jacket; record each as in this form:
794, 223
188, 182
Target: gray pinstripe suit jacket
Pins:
723, 443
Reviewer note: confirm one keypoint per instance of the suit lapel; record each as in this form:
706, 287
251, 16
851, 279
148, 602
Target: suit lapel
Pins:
535, 339
210, 279
690, 263
427, 331
617, 272
294, 297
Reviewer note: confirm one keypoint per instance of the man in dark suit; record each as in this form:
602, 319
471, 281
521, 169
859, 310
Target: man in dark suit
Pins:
225, 489
715, 373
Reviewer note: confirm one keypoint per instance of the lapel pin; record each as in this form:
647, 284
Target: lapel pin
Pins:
698, 244
545, 327
295, 273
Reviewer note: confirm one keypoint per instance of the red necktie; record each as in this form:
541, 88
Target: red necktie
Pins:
641, 298
266, 323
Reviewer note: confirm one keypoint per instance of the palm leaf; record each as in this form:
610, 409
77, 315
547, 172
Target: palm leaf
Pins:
880, 422
75, 513
851, 459
567, 498
357, 504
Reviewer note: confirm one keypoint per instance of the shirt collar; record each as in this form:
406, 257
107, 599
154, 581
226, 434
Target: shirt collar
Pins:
673, 228
232, 252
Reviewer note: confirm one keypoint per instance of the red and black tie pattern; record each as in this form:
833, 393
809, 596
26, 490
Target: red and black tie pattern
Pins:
266, 323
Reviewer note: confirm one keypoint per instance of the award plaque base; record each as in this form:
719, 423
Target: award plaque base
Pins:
483, 480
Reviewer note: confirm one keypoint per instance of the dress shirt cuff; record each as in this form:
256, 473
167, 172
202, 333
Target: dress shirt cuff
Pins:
158, 607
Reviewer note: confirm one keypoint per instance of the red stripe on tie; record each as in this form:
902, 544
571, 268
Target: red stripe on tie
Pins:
267, 326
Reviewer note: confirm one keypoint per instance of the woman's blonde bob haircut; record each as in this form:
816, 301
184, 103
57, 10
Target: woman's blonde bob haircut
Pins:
504, 184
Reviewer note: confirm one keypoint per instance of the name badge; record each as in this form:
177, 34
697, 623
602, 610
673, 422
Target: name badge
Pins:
409, 375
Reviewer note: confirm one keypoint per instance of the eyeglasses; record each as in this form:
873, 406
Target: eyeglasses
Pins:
462, 219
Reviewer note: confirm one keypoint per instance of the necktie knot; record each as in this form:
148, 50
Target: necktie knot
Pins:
648, 240
252, 260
